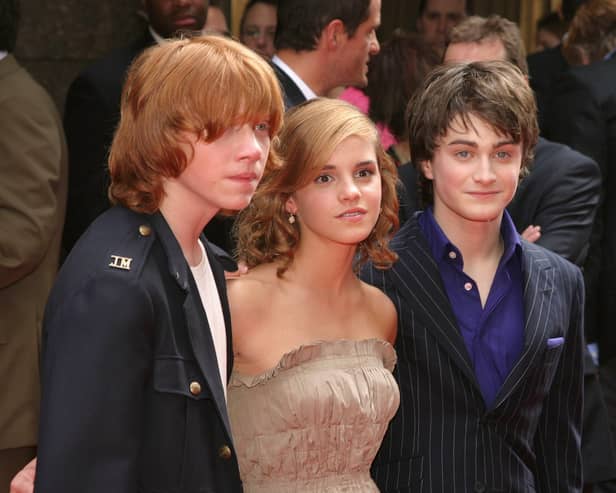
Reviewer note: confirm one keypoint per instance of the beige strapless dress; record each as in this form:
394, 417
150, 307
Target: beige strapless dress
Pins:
314, 422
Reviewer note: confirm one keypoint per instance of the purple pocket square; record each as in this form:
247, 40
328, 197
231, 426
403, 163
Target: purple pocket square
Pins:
555, 342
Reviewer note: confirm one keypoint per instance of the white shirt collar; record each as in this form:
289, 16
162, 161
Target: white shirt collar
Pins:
306, 91
157, 37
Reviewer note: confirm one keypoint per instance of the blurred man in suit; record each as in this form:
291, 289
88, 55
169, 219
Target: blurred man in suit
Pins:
490, 326
321, 45
33, 166
583, 115
92, 111
545, 67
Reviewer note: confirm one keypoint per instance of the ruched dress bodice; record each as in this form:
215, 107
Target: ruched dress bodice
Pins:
314, 422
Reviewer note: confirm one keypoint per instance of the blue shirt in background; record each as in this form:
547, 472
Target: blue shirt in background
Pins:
494, 334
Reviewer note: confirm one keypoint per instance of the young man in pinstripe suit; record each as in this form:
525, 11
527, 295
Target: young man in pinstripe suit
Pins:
490, 339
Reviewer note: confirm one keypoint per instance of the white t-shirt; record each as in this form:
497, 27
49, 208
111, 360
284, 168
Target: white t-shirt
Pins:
210, 299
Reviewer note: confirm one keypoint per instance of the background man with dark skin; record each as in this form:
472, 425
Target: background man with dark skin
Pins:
92, 111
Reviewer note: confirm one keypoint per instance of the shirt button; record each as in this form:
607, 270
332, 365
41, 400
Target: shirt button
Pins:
195, 388
452, 255
468, 286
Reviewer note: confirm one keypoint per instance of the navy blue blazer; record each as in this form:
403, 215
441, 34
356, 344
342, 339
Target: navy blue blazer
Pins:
443, 438
132, 398
291, 93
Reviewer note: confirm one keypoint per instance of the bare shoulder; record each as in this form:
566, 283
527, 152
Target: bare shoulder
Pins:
248, 292
250, 300
382, 311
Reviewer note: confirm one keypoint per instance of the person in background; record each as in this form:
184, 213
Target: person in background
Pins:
393, 76
550, 31
546, 66
137, 335
92, 111
435, 18
490, 335
258, 26
583, 115
216, 20
322, 45
33, 167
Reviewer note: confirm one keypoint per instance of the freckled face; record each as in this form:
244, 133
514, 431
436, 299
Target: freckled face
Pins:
224, 174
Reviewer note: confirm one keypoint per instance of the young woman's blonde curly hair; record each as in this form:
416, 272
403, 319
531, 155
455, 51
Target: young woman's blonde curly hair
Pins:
309, 136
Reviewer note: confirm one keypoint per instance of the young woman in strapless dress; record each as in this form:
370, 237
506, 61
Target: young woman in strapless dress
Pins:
312, 391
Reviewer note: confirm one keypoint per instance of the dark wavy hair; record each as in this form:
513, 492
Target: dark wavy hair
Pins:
393, 76
300, 22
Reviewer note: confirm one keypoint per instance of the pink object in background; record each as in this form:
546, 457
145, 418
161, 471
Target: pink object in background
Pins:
357, 98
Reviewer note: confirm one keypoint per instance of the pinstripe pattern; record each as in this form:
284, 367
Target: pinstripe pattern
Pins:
443, 439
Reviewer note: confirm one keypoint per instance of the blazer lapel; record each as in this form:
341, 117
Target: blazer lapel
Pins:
198, 332
538, 290
419, 282
292, 94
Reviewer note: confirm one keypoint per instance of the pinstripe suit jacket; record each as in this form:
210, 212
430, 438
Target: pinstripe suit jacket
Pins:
443, 438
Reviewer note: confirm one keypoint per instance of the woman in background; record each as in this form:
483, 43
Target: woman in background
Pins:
258, 26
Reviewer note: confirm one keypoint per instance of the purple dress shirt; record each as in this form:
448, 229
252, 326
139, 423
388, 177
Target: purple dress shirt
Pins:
494, 334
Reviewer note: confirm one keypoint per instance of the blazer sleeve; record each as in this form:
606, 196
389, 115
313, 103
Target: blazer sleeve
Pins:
32, 165
558, 435
566, 214
575, 118
96, 362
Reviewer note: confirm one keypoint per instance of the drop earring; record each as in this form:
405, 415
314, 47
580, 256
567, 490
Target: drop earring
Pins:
291, 218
